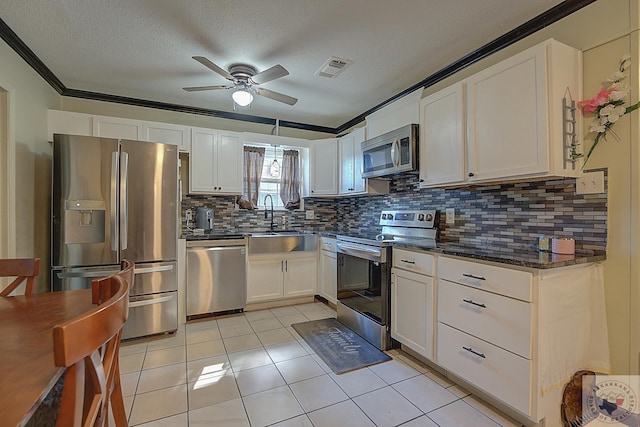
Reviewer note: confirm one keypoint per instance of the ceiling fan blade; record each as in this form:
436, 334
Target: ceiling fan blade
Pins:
269, 74
201, 88
210, 65
276, 96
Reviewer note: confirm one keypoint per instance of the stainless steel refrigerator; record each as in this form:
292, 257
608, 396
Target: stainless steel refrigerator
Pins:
113, 200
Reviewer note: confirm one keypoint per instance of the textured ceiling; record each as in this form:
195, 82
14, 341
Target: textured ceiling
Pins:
143, 48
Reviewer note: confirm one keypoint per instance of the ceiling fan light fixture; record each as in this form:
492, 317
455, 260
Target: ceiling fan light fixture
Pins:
242, 97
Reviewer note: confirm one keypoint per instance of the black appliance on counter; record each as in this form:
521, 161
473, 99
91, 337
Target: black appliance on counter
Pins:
364, 271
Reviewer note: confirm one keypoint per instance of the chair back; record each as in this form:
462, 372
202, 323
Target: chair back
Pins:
88, 347
99, 294
23, 269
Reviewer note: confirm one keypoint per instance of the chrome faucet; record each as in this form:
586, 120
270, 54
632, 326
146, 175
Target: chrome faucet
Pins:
271, 226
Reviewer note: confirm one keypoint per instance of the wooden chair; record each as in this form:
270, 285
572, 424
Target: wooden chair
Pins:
126, 272
88, 347
25, 269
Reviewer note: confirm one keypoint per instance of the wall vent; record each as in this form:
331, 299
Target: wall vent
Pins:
332, 67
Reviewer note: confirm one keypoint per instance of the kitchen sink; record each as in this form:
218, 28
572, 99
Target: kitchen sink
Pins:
282, 241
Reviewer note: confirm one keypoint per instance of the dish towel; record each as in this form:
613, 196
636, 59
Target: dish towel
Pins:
573, 325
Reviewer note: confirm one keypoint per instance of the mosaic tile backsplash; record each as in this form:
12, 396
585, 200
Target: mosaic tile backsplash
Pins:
509, 215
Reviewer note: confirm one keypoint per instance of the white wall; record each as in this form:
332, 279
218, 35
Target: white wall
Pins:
29, 98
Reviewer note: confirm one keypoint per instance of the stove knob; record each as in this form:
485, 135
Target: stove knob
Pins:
384, 216
429, 217
420, 217
389, 216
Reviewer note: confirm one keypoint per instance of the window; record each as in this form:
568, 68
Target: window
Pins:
272, 171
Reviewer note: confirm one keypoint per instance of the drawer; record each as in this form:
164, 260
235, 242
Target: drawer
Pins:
500, 280
328, 244
505, 322
494, 370
418, 262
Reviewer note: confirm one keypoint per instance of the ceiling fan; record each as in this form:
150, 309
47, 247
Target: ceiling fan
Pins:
245, 79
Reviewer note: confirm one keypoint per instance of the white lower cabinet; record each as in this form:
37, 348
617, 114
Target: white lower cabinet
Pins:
412, 301
279, 276
517, 334
328, 270
496, 371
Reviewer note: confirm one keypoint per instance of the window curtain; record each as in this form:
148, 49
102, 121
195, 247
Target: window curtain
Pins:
290, 179
252, 165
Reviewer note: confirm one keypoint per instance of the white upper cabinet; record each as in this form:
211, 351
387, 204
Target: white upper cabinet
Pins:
66, 122
324, 167
215, 162
116, 127
351, 181
514, 114
442, 137
167, 133
504, 122
399, 113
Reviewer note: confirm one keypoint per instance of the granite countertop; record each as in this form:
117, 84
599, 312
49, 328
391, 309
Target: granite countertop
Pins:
529, 258
523, 258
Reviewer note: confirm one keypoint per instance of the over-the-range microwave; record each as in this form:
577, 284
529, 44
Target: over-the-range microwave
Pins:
391, 153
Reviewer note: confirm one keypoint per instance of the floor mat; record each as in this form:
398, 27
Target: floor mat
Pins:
340, 348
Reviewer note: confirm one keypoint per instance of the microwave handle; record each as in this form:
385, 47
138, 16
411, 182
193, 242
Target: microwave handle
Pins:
395, 152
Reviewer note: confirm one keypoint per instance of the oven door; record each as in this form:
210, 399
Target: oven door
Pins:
364, 283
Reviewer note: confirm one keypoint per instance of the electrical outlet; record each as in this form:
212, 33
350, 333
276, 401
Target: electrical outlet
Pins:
188, 214
310, 214
590, 183
450, 215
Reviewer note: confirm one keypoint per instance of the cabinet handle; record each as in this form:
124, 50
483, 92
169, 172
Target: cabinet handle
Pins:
421, 180
408, 261
473, 277
470, 301
471, 174
470, 350
282, 266
286, 265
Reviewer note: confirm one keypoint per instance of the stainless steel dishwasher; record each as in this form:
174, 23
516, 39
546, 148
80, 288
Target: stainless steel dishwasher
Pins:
216, 276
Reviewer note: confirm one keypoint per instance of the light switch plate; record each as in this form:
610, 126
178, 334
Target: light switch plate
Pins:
310, 214
590, 183
450, 215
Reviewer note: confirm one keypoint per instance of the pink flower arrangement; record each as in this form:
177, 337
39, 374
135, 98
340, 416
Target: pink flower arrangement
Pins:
608, 106
591, 105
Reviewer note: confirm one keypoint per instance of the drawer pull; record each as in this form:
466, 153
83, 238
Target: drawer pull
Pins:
408, 261
470, 350
470, 301
473, 277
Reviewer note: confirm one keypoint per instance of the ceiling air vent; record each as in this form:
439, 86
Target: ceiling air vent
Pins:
332, 67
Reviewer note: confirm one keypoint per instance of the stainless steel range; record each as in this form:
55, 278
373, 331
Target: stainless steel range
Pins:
364, 271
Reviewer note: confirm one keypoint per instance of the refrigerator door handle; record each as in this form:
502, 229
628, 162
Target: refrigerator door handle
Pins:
114, 198
124, 200
86, 274
143, 270
150, 301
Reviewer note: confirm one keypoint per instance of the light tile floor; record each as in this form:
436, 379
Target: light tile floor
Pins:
253, 369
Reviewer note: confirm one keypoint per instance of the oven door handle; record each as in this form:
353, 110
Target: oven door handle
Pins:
359, 251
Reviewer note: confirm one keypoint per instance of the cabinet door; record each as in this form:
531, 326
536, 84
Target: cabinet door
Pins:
167, 133
328, 276
69, 123
115, 127
347, 158
442, 125
412, 320
324, 172
229, 164
300, 276
264, 279
201, 161
359, 183
507, 129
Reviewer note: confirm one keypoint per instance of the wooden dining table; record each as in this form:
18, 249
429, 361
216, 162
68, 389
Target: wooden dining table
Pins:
27, 370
